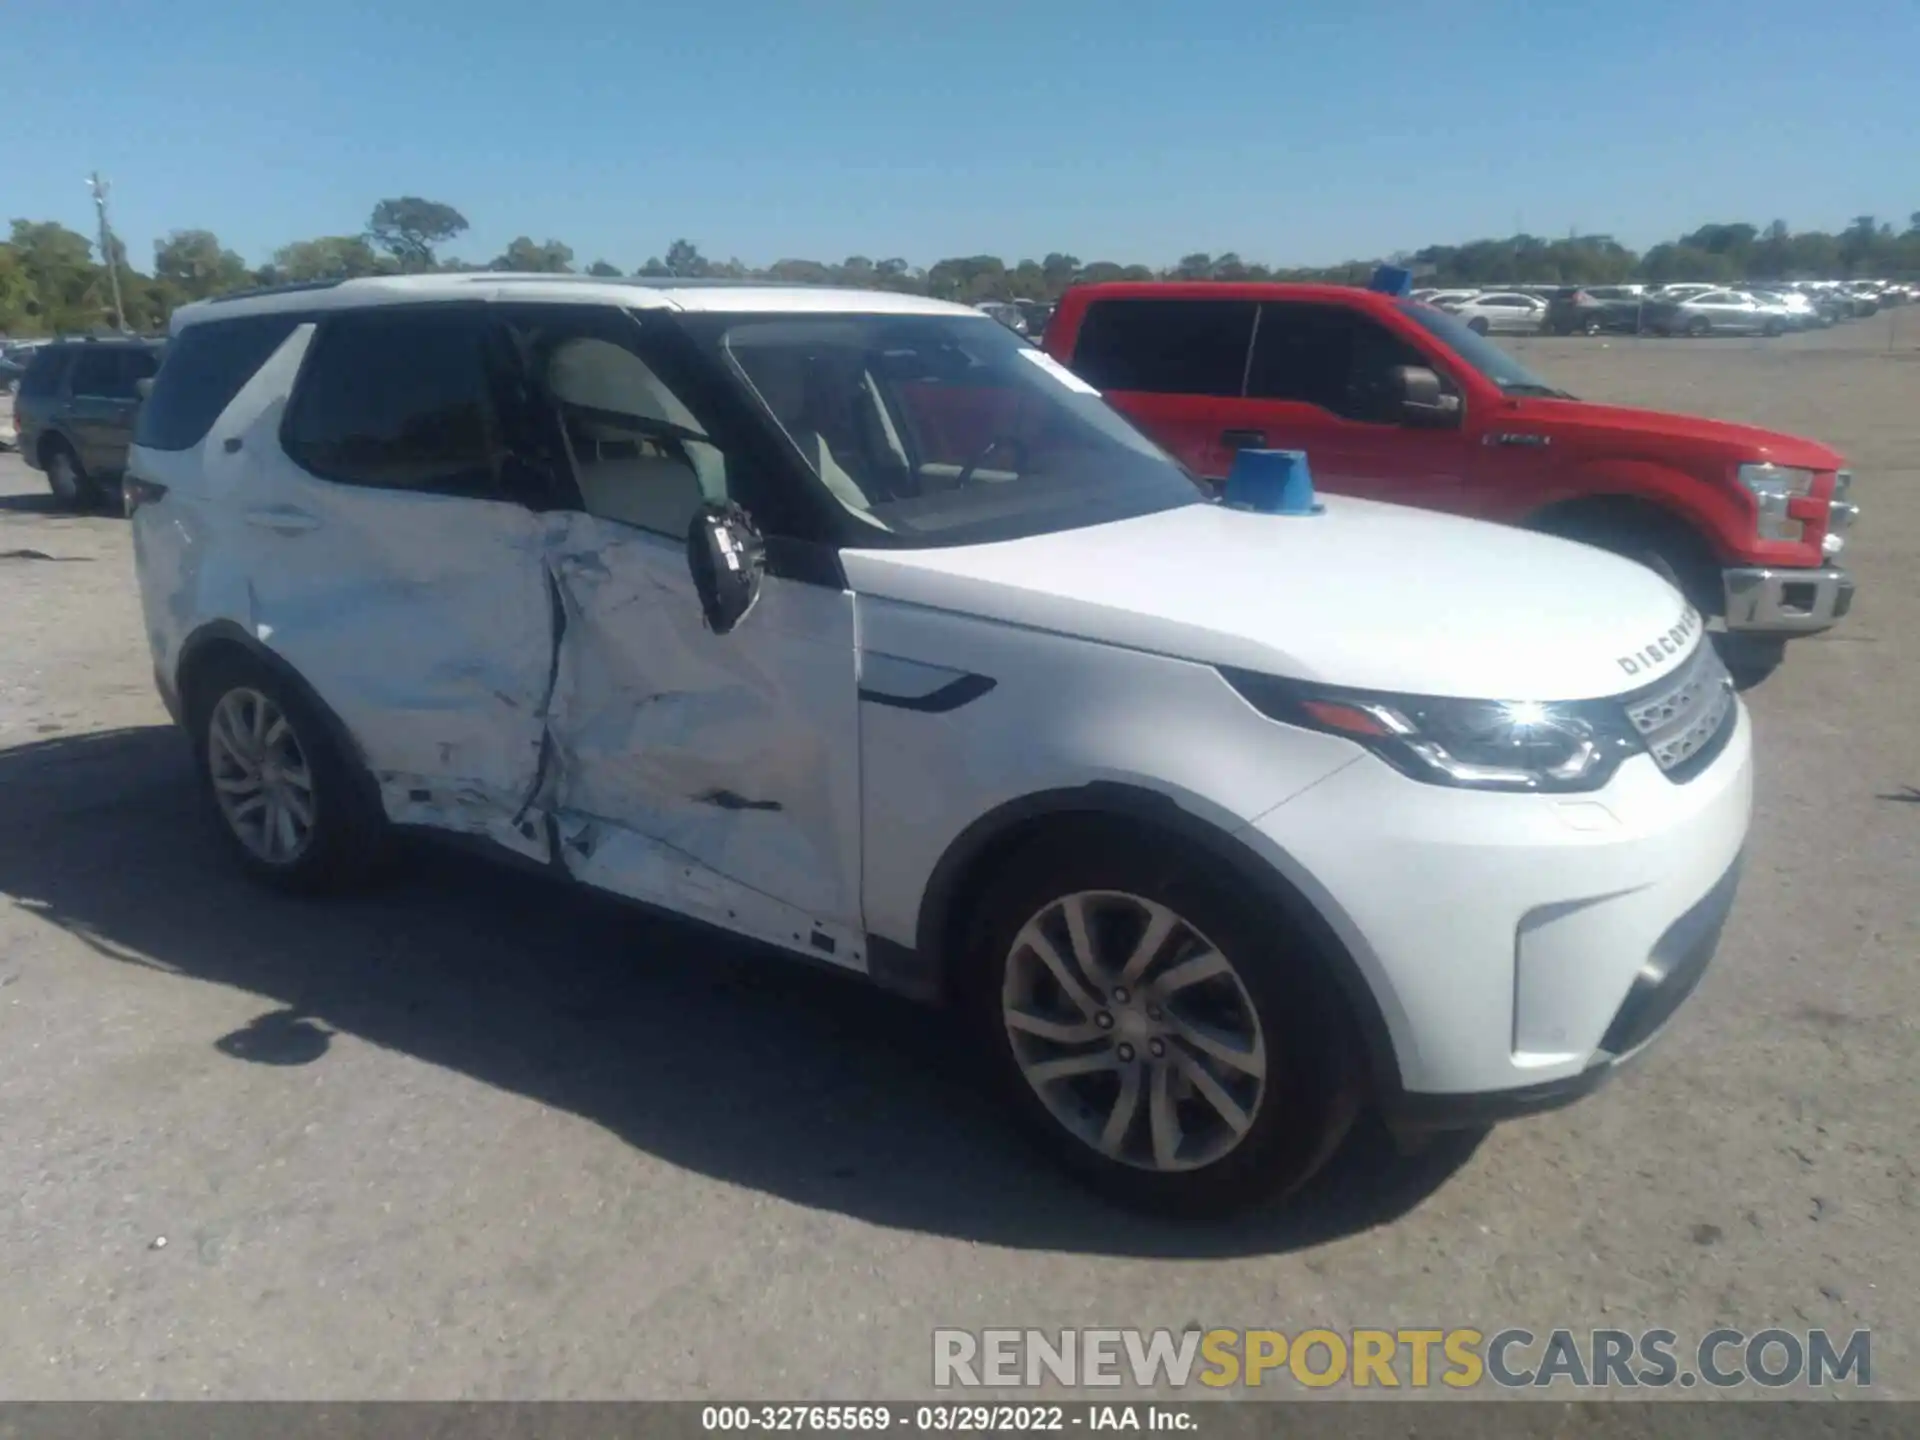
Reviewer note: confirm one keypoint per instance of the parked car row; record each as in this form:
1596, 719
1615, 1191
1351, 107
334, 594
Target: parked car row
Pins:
858, 625
1687, 308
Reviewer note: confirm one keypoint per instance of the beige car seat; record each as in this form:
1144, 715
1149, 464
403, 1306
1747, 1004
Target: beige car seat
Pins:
781, 379
625, 475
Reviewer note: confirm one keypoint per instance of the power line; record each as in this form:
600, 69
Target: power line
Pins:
99, 188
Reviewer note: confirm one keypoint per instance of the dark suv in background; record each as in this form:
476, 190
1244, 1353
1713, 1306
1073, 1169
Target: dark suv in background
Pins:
75, 409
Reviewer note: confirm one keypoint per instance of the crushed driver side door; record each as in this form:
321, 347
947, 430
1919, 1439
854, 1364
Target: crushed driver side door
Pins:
717, 776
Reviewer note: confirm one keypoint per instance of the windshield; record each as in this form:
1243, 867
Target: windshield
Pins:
948, 430
1479, 352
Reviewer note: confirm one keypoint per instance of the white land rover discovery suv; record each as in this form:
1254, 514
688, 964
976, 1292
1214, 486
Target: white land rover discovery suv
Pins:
853, 624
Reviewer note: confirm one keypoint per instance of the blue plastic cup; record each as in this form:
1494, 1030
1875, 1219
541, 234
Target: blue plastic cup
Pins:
1272, 482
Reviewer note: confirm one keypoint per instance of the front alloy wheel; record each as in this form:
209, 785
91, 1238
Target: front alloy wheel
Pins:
261, 778
1134, 1031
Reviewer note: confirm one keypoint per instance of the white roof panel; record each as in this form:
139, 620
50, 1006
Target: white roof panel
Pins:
636, 293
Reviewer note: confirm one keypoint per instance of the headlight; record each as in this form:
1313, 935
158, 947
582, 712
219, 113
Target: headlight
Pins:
1773, 486
1471, 744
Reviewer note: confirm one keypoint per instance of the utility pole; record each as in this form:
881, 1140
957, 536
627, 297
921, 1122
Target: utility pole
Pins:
99, 188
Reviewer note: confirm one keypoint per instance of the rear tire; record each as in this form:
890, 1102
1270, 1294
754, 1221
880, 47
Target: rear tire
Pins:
1194, 1133
67, 478
296, 811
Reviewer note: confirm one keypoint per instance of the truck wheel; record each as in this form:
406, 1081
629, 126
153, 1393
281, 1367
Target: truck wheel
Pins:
68, 479
1750, 659
1162, 1036
1478, 325
293, 808
1590, 327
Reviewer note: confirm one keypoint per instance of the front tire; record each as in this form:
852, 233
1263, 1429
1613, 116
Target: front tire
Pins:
1750, 659
1699, 327
1159, 1034
1478, 325
292, 807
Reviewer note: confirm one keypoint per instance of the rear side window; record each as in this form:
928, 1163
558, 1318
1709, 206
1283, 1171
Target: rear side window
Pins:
1165, 347
206, 366
110, 372
396, 399
45, 371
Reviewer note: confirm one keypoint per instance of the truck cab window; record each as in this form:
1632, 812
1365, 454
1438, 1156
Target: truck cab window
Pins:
1329, 356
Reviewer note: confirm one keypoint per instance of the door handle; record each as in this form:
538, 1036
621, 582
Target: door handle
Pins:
1243, 439
284, 519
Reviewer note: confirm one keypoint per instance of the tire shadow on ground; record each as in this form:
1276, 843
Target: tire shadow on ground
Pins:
705, 1051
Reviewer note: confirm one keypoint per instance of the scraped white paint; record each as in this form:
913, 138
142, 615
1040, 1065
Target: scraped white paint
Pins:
734, 754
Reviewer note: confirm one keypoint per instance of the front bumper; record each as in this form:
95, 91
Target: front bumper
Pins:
1763, 600
1673, 969
1517, 947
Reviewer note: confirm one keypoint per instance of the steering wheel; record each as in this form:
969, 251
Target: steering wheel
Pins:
1017, 445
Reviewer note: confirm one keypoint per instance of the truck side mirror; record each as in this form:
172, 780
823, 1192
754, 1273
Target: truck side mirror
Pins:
728, 559
1422, 399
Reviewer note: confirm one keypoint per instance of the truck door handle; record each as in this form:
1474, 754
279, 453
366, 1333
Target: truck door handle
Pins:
1243, 439
284, 519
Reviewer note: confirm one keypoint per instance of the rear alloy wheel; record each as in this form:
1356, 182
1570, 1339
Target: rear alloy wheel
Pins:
1160, 1036
260, 775
68, 479
296, 811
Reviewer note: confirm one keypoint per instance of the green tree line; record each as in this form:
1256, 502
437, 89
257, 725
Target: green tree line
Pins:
54, 280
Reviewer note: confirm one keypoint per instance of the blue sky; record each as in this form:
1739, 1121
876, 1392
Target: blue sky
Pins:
1299, 133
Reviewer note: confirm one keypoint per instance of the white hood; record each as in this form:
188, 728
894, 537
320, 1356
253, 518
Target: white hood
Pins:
1366, 595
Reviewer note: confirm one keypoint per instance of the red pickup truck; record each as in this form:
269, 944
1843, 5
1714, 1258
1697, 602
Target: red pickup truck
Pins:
1396, 400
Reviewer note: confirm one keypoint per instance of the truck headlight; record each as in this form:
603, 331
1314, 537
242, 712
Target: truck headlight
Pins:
1772, 487
1841, 513
1519, 745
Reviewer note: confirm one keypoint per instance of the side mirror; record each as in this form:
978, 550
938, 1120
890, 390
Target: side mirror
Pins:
143, 388
727, 558
1422, 399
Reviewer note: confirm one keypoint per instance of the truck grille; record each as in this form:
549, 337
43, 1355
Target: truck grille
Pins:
1685, 719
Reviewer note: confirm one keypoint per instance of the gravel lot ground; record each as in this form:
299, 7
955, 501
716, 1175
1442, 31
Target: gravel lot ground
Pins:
474, 1136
